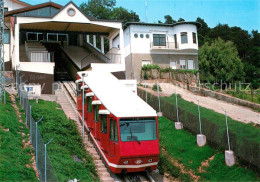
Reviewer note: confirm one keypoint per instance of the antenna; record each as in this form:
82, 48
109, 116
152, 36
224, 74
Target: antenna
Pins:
2, 61
146, 15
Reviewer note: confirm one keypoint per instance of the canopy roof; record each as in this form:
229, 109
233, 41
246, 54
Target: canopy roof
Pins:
115, 96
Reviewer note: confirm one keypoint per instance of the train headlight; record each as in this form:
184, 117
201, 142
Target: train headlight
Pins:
138, 161
150, 160
126, 162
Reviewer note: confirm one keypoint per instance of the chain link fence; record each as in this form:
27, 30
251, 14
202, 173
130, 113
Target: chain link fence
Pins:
43, 163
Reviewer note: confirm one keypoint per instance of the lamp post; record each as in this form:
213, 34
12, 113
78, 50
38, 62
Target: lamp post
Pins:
83, 106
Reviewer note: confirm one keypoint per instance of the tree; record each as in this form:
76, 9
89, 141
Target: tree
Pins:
124, 15
219, 61
169, 19
203, 31
100, 9
105, 9
181, 19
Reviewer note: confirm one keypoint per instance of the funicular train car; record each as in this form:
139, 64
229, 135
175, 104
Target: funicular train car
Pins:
121, 125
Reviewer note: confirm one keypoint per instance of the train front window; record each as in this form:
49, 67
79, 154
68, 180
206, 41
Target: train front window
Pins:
138, 129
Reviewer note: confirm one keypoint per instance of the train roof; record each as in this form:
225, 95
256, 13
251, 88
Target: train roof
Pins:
115, 96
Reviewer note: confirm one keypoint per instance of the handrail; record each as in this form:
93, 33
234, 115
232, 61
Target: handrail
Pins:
168, 45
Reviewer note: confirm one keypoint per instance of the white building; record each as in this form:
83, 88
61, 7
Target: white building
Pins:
168, 45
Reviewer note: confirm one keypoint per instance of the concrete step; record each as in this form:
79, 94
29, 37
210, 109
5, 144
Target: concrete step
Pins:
104, 175
98, 161
100, 166
107, 179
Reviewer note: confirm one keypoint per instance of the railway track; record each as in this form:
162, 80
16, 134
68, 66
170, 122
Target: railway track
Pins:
70, 88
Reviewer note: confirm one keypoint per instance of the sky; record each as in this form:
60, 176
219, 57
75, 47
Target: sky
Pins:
241, 13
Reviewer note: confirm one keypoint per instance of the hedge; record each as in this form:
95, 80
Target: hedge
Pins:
244, 138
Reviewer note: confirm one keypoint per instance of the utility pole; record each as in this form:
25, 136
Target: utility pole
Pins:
2, 61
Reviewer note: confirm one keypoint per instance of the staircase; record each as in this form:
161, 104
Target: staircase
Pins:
68, 106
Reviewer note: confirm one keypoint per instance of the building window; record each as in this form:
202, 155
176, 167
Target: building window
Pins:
34, 36
89, 101
146, 62
147, 36
5, 9
141, 35
71, 12
194, 37
96, 114
173, 64
159, 39
184, 37
183, 64
7, 36
190, 64
104, 124
136, 35
29, 89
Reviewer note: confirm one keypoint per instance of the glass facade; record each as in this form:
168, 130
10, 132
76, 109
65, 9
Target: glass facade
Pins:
42, 12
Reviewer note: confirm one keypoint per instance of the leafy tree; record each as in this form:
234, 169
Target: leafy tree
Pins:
105, 9
203, 31
169, 19
181, 19
220, 61
124, 15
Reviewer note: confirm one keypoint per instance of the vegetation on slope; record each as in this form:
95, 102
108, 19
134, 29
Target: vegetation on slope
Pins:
15, 160
67, 144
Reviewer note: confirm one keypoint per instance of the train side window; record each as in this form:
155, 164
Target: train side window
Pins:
111, 130
104, 124
116, 134
96, 115
78, 89
89, 101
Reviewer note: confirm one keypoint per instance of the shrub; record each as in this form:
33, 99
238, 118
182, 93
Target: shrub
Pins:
154, 88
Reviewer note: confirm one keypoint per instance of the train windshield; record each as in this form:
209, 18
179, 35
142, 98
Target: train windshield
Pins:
138, 129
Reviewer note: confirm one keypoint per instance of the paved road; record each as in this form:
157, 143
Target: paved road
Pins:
236, 112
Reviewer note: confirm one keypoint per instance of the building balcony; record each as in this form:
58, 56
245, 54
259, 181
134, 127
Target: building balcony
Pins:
165, 46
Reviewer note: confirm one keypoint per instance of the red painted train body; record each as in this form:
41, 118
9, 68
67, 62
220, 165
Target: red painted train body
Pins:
127, 143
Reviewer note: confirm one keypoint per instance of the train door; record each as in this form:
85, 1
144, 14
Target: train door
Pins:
113, 137
104, 132
96, 121
89, 113
79, 98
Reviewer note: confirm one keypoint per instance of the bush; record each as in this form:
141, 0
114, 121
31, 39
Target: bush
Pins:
154, 88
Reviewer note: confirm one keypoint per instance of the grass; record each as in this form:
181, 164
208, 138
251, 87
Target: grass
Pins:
14, 158
66, 144
243, 130
181, 146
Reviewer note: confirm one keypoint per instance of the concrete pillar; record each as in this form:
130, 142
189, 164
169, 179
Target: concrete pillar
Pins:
201, 140
81, 40
122, 47
102, 45
230, 158
110, 43
87, 38
159, 114
16, 60
178, 126
94, 40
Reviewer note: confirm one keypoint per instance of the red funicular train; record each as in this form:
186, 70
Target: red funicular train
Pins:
122, 126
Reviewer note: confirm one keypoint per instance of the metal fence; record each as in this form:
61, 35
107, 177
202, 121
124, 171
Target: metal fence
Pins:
43, 163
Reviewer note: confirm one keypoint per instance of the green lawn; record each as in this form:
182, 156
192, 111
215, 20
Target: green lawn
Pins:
66, 144
13, 156
181, 146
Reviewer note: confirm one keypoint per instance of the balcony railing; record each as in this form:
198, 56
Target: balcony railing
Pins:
40, 56
168, 45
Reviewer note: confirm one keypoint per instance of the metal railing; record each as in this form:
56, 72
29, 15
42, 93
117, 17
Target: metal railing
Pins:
43, 163
167, 45
41, 56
